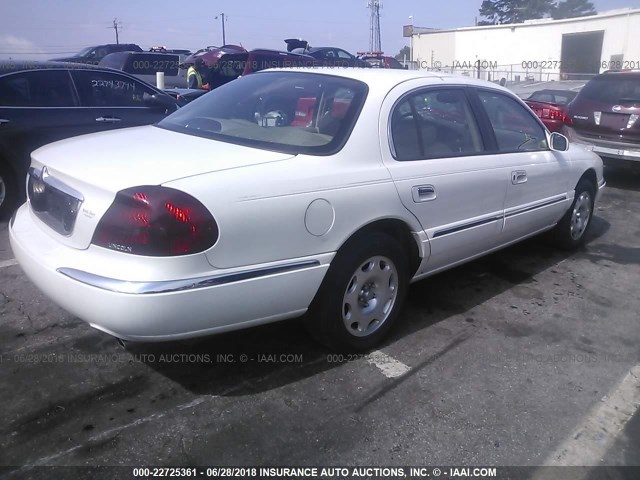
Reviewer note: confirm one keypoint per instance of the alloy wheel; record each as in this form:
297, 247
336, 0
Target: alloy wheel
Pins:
370, 296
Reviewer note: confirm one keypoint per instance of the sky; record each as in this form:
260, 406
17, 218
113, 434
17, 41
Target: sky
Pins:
37, 29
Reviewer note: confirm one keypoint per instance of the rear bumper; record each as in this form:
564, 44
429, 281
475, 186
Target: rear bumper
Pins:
607, 148
168, 309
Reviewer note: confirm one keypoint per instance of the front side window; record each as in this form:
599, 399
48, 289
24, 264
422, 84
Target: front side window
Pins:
434, 123
515, 127
291, 112
106, 89
44, 88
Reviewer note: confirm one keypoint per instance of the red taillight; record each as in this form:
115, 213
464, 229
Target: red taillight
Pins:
555, 114
156, 221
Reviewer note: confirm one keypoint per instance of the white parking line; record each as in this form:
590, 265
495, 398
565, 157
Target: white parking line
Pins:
8, 263
588, 443
388, 365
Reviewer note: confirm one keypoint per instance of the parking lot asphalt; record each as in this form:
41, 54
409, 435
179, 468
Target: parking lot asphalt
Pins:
496, 362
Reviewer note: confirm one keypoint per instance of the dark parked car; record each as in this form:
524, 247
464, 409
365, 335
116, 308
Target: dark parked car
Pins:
325, 56
230, 62
551, 107
145, 65
41, 102
93, 55
605, 116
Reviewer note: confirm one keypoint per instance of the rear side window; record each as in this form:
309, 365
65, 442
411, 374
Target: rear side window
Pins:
514, 126
113, 60
149, 64
612, 89
43, 88
107, 89
434, 123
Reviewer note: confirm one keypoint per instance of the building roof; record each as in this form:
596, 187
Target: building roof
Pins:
529, 23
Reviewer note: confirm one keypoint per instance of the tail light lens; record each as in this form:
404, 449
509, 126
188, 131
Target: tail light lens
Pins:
555, 115
156, 221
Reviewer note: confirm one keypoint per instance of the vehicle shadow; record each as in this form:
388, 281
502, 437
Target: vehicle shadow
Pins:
267, 357
622, 177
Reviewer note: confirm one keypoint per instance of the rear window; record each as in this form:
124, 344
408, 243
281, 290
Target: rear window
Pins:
289, 112
612, 89
149, 64
552, 97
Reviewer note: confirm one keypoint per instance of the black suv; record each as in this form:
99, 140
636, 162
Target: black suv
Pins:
145, 65
41, 102
93, 55
605, 116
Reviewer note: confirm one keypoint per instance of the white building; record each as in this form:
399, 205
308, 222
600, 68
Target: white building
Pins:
541, 50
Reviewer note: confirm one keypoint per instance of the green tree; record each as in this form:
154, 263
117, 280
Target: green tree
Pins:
514, 11
573, 9
405, 52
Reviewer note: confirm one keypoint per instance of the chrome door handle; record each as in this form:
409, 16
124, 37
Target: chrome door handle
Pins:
108, 119
3, 121
423, 193
518, 177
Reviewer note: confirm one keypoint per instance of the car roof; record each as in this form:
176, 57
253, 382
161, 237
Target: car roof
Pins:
556, 92
621, 73
387, 78
12, 66
278, 52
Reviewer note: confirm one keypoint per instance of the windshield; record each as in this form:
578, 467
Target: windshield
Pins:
289, 112
612, 89
84, 52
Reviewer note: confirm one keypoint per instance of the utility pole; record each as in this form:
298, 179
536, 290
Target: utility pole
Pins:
115, 26
222, 18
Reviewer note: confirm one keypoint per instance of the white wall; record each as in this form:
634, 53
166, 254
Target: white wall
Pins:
537, 41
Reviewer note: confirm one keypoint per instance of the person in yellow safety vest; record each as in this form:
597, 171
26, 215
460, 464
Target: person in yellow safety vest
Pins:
194, 75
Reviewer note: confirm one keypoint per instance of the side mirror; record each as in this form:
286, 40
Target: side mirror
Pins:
161, 102
558, 142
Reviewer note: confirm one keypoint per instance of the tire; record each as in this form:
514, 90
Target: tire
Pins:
8, 192
361, 295
572, 230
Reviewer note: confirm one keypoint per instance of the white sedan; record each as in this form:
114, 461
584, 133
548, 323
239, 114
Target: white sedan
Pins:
291, 192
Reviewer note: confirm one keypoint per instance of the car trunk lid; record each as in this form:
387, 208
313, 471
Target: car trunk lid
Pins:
72, 183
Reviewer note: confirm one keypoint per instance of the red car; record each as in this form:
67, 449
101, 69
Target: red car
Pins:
382, 61
551, 107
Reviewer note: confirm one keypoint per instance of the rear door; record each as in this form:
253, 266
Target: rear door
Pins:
436, 155
538, 179
36, 107
112, 100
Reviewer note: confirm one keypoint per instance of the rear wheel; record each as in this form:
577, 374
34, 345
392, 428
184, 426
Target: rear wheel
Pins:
572, 230
361, 295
